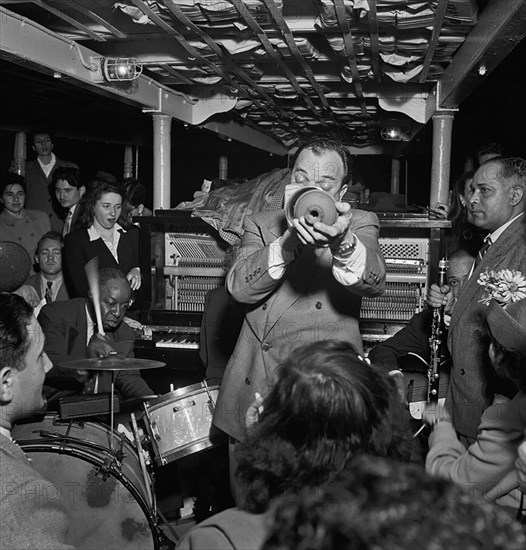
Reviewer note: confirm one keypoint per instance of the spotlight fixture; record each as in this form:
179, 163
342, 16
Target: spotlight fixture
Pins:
118, 69
393, 133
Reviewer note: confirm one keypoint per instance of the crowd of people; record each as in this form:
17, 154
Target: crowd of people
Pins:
320, 443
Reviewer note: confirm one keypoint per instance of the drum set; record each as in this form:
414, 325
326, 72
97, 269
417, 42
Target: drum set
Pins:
104, 476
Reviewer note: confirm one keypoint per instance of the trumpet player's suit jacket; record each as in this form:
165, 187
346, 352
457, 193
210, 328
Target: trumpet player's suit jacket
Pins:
65, 326
307, 304
473, 383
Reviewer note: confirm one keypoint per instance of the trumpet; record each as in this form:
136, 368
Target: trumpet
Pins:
436, 341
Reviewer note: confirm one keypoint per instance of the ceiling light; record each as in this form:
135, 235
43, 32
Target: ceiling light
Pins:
118, 69
393, 133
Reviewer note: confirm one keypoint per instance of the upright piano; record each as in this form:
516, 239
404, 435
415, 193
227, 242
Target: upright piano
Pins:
182, 259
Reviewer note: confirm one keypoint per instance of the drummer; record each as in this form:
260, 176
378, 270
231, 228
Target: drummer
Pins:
32, 517
71, 333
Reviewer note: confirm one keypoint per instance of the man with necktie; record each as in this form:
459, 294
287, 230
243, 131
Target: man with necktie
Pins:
48, 282
496, 203
69, 189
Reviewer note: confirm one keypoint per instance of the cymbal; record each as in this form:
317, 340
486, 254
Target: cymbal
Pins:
112, 362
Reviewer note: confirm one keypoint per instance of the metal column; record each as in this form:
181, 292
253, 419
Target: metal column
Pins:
441, 163
395, 175
128, 162
162, 126
223, 167
19, 157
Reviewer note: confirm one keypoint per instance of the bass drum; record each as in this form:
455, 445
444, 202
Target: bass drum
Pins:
108, 502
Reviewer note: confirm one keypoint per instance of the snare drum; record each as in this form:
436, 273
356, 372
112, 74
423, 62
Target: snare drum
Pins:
179, 423
107, 501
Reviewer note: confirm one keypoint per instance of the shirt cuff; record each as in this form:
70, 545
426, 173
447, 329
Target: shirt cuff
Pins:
278, 259
350, 272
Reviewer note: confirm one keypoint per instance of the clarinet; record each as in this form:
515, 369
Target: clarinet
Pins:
436, 341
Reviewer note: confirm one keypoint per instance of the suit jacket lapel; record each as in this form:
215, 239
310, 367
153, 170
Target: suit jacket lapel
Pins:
491, 261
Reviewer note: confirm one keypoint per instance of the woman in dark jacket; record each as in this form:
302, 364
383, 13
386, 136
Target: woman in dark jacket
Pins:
97, 233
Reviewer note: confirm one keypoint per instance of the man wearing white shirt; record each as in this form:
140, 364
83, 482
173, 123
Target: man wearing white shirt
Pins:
496, 203
301, 282
39, 175
49, 282
69, 189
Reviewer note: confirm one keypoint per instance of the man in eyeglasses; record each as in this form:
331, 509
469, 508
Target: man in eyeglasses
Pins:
71, 333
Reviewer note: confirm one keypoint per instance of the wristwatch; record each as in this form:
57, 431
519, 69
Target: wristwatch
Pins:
345, 249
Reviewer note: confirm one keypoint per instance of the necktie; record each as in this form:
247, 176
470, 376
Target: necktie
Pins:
482, 252
48, 296
67, 224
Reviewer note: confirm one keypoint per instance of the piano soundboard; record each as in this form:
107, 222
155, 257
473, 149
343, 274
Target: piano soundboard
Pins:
407, 262
194, 265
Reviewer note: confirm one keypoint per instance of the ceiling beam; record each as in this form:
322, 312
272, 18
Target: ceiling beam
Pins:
501, 26
246, 135
29, 44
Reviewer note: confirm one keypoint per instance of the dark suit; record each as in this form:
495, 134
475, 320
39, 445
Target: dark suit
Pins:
78, 250
40, 193
473, 384
35, 282
413, 338
307, 304
65, 327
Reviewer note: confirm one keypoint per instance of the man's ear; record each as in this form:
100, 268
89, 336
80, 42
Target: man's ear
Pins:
516, 195
82, 190
7, 382
140, 208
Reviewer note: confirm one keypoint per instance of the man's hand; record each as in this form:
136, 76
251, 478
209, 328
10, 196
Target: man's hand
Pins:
438, 296
254, 410
434, 412
99, 346
440, 212
320, 234
81, 376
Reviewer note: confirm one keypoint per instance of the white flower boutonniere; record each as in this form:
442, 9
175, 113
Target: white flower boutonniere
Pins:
504, 286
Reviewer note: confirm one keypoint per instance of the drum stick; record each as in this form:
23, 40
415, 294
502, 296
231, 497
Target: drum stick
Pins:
92, 274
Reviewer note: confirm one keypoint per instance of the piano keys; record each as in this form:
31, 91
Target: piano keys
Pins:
178, 347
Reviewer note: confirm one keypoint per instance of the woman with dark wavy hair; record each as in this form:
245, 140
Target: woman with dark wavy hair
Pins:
97, 233
326, 406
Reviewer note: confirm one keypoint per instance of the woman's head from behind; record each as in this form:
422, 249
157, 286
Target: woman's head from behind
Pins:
101, 205
326, 406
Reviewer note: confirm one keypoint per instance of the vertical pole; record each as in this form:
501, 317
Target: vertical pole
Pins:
441, 163
162, 126
128, 162
223, 167
395, 175
19, 156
